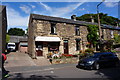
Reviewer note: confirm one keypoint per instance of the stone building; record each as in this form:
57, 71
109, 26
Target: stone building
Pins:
68, 36
3, 28
108, 32
48, 34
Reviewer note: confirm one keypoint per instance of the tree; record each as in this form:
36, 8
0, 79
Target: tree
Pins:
104, 19
92, 35
116, 38
16, 31
7, 38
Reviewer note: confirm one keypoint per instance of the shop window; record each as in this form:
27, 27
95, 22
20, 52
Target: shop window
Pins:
77, 30
53, 46
39, 45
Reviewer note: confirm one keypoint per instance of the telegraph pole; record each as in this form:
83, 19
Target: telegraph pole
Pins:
100, 32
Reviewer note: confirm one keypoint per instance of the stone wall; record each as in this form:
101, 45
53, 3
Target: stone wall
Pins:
64, 31
108, 34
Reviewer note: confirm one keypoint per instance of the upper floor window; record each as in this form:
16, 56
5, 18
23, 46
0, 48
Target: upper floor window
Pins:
77, 30
53, 28
112, 35
119, 33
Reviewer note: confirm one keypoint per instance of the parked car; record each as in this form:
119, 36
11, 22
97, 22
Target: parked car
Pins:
11, 47
99, 60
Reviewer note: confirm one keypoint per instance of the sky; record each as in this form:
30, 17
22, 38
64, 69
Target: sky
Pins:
18, 13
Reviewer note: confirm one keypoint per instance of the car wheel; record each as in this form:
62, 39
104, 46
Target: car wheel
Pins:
91, 68
116, 64
97, 66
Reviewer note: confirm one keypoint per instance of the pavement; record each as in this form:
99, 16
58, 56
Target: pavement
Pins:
17, 59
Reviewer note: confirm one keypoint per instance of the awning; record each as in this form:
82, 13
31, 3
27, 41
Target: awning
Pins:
47, 39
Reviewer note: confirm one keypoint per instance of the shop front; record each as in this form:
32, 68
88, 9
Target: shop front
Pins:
45, 45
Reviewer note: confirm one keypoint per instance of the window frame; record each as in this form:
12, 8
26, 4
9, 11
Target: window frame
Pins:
77, 30
77, 45
53, 29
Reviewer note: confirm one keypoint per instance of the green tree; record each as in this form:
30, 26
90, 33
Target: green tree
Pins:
92, 35
116, 38
7, 38
16, 31
104, 19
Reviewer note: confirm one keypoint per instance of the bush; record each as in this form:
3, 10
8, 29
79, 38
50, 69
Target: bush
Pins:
113, 51
89, 50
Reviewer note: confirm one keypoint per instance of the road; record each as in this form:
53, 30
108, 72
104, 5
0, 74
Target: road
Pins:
62, 71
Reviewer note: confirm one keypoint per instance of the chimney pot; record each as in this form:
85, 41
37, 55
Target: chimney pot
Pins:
73, 17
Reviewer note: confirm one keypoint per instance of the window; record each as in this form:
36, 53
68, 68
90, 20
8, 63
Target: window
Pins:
53, 46
53, 28
112, 36
77, 44
119, 33
77, 30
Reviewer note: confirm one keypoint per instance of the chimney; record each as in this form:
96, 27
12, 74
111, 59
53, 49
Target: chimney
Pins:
92, 19
73, 17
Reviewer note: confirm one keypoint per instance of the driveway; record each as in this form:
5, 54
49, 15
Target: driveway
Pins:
18, 59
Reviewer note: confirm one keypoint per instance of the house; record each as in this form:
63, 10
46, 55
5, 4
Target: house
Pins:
108, 34
48, 34
3, 28
23, 45
109, 31
20, 41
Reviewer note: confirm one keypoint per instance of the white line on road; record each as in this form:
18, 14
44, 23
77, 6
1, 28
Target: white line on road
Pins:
47, 69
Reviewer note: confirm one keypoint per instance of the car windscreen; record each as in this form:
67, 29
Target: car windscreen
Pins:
95, 55
11, 45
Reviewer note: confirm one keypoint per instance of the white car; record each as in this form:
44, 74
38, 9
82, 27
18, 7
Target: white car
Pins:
11, 47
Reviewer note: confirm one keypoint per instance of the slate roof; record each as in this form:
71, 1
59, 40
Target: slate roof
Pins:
58, 19
110, 27
17, 39
64, 20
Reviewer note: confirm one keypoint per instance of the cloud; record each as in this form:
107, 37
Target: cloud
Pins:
110, 4
15, 19
82, 9
32, 6
46, 6
61, 11
25, 8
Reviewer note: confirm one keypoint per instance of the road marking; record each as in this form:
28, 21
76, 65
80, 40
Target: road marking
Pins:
47, 69
52, 71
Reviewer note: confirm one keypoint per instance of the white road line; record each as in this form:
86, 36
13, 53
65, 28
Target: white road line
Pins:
47, 69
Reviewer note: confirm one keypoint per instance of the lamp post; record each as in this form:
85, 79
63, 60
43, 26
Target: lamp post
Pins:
100, 32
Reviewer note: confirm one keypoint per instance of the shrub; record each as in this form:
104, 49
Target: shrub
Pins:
113, 51
89, 50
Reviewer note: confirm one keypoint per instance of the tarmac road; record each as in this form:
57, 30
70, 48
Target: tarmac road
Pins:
63, 71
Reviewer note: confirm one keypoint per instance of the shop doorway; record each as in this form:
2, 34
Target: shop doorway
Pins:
39, 48
66, 47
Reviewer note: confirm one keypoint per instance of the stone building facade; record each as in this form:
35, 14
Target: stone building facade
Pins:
108, 32
48, 34
3, 28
